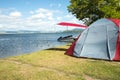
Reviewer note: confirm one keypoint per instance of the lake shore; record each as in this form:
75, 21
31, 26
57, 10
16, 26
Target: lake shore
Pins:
53, 64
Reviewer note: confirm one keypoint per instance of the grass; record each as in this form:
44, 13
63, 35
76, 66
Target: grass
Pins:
52, 64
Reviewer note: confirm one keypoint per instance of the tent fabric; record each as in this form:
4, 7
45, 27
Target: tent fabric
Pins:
100, 40
71, 24
116, 21
117, 52
71, 49
117, 55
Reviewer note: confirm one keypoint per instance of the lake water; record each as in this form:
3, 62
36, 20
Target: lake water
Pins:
16, 44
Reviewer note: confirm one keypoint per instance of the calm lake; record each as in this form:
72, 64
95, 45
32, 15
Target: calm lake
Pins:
16, 44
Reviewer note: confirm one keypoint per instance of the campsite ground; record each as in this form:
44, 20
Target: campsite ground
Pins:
52, 64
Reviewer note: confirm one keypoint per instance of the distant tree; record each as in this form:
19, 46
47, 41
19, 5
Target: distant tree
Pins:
91, 10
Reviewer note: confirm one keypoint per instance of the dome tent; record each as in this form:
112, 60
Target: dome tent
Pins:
101, 40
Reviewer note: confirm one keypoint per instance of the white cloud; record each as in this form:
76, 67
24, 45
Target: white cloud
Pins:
37, 16
15, 14
41, 19
1, 25
68, 16
59, 18
43, 14
42, 10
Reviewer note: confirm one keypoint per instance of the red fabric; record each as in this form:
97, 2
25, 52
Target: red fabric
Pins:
117, 53
71, 49
71, 24
116, 21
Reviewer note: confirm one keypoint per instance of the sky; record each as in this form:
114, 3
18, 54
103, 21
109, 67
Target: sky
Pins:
34, 15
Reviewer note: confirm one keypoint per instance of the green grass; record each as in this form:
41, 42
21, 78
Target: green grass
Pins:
52, 64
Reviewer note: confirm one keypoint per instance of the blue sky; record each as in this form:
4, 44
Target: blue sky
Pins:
40, 15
